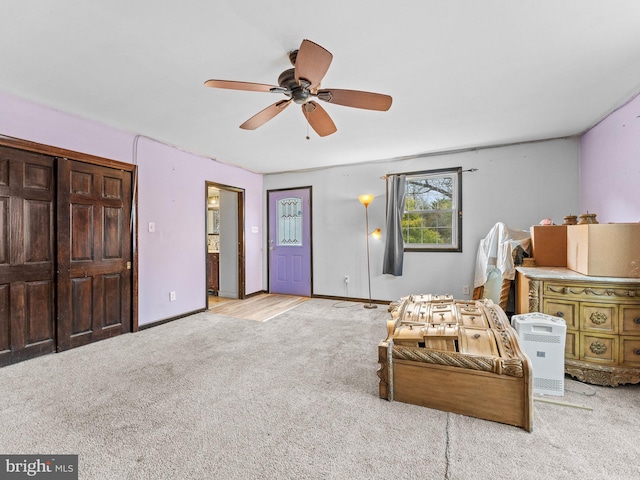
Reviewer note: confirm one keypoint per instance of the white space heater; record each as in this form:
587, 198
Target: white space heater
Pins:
542, 337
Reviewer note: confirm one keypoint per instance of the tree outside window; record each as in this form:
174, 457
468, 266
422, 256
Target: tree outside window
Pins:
432, 215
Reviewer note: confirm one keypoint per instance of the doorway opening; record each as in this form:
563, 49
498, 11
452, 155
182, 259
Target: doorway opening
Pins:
225, 243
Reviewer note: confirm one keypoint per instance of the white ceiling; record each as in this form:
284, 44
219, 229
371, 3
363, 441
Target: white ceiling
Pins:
462, 73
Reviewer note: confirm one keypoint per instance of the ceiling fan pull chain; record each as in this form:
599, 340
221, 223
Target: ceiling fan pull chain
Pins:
306, 114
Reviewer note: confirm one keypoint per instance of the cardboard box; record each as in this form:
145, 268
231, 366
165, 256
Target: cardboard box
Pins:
605, 249
549, 245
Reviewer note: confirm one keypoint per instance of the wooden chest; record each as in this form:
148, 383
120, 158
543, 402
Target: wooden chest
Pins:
456, 355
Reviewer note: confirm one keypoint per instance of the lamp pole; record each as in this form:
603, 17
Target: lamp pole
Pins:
366, 200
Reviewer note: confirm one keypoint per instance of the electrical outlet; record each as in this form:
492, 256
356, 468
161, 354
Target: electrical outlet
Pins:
346, 279
465, 289
172, 296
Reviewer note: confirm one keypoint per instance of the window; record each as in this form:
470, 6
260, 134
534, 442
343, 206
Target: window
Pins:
290, 222
432, 219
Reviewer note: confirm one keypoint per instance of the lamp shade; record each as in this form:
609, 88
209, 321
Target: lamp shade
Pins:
366, 199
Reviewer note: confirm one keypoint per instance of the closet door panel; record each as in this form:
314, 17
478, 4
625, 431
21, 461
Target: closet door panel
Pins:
27, 263
94, 253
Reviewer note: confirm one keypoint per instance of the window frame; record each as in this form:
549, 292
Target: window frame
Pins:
456, 173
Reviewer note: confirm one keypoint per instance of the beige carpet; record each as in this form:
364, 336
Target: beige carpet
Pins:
212, 397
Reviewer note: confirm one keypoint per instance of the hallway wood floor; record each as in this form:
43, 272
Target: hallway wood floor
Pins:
259, 308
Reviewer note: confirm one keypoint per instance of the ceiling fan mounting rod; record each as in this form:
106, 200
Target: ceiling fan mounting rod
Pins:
293, 54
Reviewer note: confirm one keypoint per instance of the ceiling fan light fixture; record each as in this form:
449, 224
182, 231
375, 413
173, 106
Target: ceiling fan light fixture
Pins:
301, 84
300, 95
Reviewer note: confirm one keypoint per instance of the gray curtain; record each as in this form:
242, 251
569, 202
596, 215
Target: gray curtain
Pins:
394, 245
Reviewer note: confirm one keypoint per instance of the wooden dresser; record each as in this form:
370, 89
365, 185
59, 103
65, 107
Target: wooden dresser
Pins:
602, 315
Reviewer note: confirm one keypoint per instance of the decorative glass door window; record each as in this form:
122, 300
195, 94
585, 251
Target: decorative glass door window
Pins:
290, 222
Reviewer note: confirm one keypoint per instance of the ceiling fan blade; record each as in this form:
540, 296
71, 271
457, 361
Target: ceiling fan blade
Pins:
233, 85
356, 98
312, 63
319, 119
265, 115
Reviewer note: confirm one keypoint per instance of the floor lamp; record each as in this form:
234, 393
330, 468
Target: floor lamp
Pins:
366, 200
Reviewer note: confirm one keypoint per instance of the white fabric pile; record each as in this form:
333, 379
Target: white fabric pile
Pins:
496, 253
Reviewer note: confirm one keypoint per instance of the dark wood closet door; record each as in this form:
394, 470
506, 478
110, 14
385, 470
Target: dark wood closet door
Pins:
27, 277
94, 253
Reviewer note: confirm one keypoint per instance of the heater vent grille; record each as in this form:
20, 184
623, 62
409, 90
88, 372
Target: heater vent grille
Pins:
548, 384
534, 337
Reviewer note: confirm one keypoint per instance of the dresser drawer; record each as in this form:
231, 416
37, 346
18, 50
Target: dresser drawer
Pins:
629, 320
598, 348
630, 351
564, 309
571, 344
596, 317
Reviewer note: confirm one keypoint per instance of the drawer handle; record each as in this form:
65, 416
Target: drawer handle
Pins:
598, 318
561, 314
637, 351
598, 348
636, 320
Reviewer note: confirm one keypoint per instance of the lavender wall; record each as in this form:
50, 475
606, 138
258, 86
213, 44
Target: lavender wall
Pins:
610, 166
173, 258
171, 193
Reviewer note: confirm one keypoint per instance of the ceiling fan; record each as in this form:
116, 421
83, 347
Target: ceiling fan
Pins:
301, 84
